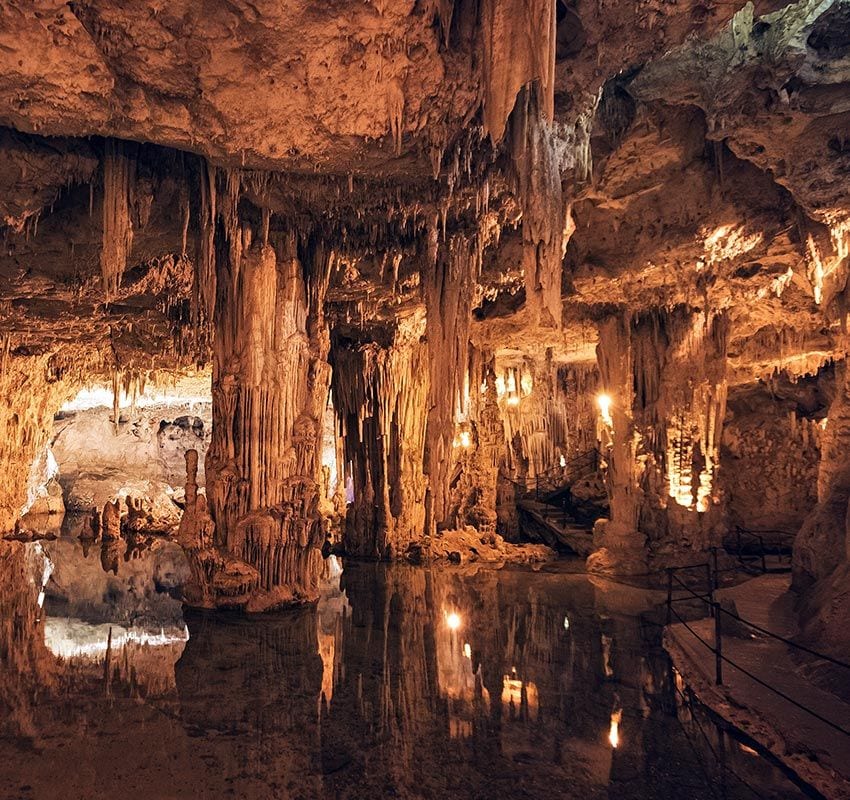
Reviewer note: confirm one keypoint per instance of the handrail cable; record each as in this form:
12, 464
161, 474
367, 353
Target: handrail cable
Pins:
759, 681
789, 642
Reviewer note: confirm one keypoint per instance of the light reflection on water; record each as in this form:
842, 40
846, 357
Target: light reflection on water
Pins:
402, 681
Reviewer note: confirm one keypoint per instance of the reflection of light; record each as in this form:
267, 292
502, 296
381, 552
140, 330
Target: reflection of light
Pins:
69, 638
604, 402
614, 731
562, 461
566, 622
45, 574
823, 423
453, 620
513, 400
513, 690
467, 650
747, 749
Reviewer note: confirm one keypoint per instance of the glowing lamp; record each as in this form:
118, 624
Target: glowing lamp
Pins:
604, 402
614, 730
453, 620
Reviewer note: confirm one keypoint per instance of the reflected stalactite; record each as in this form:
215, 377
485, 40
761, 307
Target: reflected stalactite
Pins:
26, 665
258, 679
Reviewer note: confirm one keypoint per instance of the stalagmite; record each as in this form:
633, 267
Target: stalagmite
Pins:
110, 521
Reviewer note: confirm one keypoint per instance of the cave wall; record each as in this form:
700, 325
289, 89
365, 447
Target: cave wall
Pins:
771, 459
34, 390
142, 456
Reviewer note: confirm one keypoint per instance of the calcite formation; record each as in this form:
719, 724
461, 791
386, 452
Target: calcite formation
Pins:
482, 243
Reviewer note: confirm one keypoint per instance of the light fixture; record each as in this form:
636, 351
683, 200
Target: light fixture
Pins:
614, 730
453, 620
604, 402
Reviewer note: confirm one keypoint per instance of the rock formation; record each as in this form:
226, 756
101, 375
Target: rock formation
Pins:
498, 235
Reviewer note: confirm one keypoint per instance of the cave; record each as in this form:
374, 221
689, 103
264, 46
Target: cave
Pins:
424, 398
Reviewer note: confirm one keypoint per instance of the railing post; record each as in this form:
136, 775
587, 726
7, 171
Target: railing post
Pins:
763, 561
709, 588
718, 645
716, 580
669, 595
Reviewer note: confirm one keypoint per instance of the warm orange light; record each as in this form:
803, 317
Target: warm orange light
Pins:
614, 731
453, 620
604, 402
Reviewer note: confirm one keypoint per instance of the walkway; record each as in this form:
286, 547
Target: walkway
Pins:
818, 753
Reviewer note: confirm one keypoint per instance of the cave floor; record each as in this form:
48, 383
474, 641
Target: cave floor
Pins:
819, 754
402, 681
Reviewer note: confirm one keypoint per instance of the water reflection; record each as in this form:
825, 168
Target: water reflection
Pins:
401, 682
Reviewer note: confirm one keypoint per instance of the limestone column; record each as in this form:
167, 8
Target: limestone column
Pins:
620, 547
270, 388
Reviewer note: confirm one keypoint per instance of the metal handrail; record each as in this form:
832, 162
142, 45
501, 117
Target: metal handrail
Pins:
561, 478
744, 536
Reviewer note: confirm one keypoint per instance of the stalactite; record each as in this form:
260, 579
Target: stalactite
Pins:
537, 176
34, 390
118, 177
448, 285
519, 48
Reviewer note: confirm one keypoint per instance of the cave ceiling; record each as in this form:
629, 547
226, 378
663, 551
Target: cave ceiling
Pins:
703, 152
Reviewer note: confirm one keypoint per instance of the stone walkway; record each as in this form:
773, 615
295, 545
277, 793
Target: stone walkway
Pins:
818, 753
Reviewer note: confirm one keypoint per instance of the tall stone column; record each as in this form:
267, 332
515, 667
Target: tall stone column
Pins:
270, 388
619, 545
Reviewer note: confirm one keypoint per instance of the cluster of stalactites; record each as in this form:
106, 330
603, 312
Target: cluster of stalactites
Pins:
679, 365
448, 287
270, 388
118, 177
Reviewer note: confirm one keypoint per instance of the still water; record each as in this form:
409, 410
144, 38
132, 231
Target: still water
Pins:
402, 682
